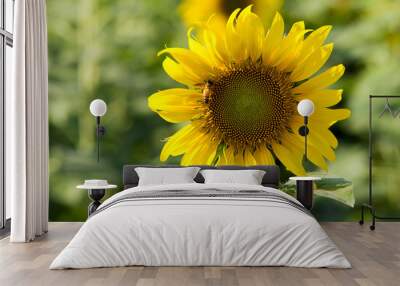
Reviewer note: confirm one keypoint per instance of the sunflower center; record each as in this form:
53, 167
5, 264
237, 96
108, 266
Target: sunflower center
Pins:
250, 104
228, 6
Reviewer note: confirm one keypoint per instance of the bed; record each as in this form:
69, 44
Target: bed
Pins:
201, 224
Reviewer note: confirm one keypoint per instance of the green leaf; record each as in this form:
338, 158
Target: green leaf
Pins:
343, 195
337, 189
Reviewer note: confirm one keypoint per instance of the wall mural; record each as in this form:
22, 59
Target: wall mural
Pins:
200, 101
243, 87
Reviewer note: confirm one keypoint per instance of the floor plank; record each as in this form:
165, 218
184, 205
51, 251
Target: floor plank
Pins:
375, 257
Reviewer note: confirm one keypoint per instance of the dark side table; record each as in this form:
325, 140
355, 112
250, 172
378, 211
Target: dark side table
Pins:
304, 190
96, 192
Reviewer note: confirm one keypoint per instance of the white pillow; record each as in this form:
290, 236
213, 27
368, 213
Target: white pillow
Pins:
166, 176
248, 177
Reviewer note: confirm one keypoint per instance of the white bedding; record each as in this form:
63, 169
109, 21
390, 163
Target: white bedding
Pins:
200, 231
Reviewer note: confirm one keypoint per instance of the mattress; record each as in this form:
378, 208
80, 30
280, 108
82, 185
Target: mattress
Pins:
201, 225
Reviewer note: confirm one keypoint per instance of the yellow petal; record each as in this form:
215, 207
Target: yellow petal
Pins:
295, 143
177, 104
214, 38
323, 98
296, 29
314, 41
215, 45
289, 48
192, 150
321, 144
208, 152
227, 157
221, 159
175, 96
190, 61
202, 152
329, 117
312, 64
263, 156
286, 59
179, 114
187, 143
251, 29
323, 131
175, 144
315, 138
178, 73
290, 160
320, 81
315, 156
233, 39
239, 158
273, 38
249, 160
205, 54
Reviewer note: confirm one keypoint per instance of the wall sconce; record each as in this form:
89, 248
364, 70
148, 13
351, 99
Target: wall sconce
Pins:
98, 108
305, 109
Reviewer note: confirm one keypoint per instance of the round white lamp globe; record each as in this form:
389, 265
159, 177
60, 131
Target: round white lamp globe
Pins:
98, 107
305, 107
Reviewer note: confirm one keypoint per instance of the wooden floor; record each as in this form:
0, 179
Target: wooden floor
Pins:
375, 257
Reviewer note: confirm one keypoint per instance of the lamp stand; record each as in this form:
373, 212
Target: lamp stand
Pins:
95, 195
100, 131
303, 131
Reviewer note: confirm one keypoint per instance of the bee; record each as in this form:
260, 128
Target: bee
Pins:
207, 91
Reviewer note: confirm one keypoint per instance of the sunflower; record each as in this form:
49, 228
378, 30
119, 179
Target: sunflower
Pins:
195, 11
242, 90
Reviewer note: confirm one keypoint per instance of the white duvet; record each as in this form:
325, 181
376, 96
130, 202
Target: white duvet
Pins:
200, 231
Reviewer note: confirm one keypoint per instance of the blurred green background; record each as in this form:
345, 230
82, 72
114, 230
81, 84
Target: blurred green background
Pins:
107, 49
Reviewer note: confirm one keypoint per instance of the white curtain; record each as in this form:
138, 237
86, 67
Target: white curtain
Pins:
27, 124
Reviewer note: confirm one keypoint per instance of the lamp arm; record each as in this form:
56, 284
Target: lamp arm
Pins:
100, 131
305, 137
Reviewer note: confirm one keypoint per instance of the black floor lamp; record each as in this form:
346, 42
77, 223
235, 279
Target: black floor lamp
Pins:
98, 108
